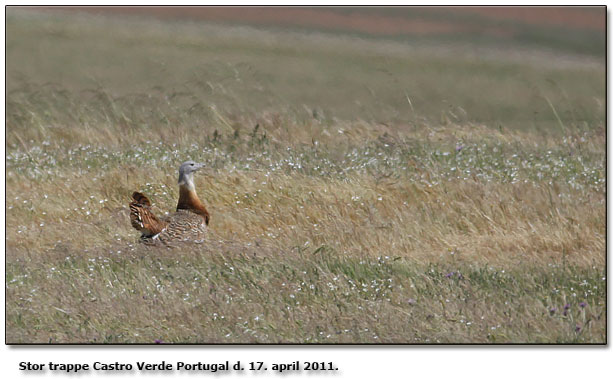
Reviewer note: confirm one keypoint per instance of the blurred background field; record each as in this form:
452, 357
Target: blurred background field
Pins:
412, 175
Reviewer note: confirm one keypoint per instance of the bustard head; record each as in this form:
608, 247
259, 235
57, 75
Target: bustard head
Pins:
186, 173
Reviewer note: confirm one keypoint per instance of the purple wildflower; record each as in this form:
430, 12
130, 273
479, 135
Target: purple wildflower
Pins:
454, 273
158, 342
412, 301
552, 310
578, 328
566, 308
459, 148
582, 304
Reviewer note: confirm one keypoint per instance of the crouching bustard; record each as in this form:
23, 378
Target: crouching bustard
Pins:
187, 224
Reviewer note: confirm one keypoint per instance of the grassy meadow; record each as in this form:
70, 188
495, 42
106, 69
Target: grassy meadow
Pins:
361, 189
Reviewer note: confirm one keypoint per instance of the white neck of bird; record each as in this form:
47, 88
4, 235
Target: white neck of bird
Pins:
187, 181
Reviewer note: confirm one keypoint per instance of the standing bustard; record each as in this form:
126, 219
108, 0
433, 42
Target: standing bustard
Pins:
188, 223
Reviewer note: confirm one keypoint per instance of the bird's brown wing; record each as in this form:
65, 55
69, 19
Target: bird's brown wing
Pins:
142, 218
183, 226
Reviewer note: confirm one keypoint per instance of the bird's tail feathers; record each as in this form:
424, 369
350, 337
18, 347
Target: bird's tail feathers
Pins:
141, 199
142, 218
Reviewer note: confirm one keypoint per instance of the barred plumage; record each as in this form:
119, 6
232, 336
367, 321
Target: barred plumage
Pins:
187, 224
183, 226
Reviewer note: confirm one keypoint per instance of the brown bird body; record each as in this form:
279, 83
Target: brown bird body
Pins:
189, 222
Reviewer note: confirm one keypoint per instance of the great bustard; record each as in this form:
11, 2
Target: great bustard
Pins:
188, 223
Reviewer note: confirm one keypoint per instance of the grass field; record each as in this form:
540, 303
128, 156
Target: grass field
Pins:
362, 189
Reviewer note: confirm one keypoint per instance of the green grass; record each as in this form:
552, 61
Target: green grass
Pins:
252, 298
202, 72
361, 190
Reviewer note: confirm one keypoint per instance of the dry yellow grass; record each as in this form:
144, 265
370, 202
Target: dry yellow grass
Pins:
278, 231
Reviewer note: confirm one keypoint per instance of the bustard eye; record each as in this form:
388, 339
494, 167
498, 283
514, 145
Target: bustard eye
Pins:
191, 164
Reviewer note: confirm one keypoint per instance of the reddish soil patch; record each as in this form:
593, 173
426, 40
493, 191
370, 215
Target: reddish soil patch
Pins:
285, 16
365, 21
593, 18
